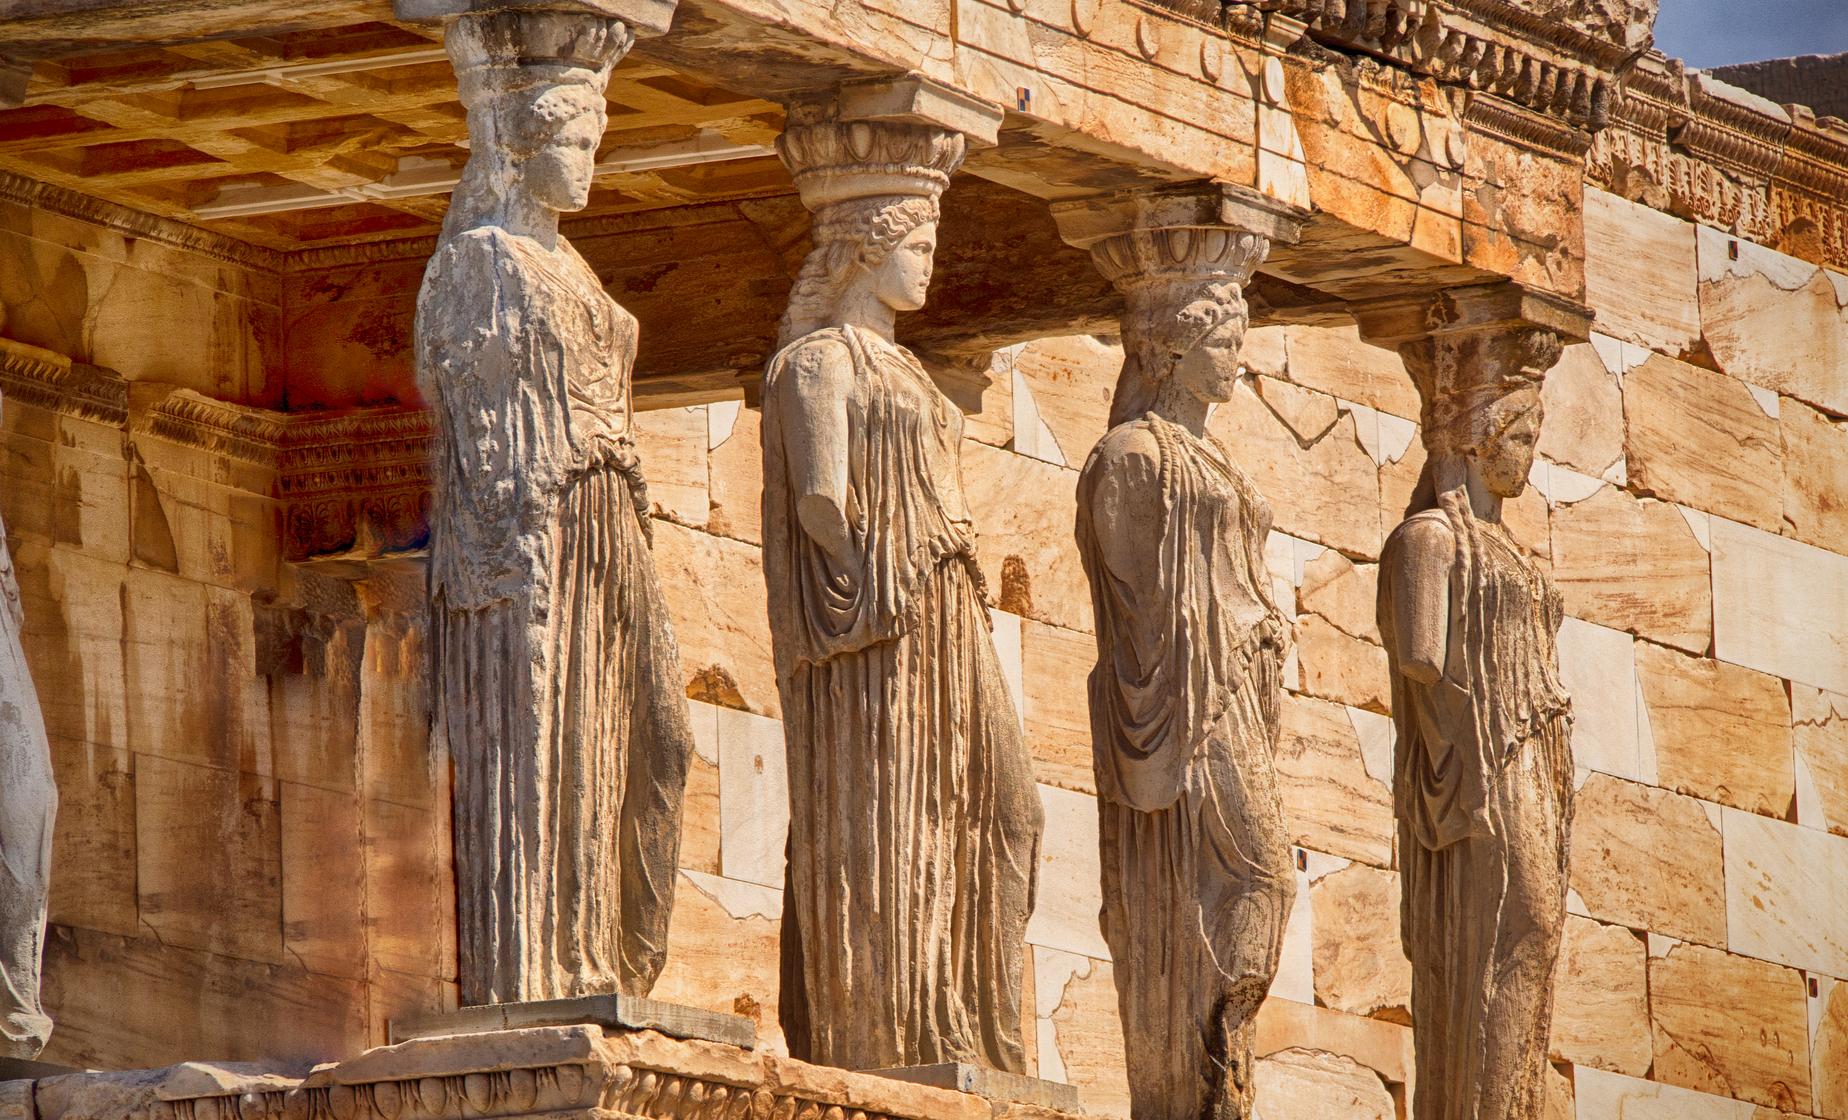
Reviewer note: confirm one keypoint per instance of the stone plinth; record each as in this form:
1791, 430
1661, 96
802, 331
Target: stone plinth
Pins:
611, 1010
991, 1083
575, 1072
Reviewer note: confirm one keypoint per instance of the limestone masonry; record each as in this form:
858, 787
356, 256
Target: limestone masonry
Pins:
919, 560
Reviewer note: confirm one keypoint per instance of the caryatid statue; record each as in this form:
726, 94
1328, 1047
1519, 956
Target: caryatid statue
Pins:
914, 823
1197, 876
557, 680
1482, 781
28, 807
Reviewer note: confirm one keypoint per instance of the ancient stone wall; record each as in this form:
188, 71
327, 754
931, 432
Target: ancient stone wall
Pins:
1817, 80
252, 858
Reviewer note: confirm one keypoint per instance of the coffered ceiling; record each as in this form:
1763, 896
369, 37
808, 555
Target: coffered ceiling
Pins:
341, 134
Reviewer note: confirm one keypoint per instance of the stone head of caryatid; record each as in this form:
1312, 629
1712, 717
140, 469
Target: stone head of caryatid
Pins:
533, 83
874, 190
1482, 407
1185, 313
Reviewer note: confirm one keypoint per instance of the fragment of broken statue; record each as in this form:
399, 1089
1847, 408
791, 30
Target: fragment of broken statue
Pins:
1197, 880
915, 824
1482, 782
28, 806
558, 687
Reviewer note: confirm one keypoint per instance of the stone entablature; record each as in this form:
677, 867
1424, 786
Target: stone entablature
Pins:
1530, 58
1683, 142
354, 484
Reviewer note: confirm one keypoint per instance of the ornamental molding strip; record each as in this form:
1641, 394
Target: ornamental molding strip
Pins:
560, 1073
130, 222
1490, 46
51, 381
352, 485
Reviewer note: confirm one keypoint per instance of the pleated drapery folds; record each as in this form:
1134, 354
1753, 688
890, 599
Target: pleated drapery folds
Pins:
915, 825
1483, 793
557, 678
28, 809
1197, 881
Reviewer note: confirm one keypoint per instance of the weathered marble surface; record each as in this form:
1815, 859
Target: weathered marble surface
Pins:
1185, 694
1483, 766
1601, 999
28, 810
558, 685
609, 1010
915, 827
1750, 1043
1648, 859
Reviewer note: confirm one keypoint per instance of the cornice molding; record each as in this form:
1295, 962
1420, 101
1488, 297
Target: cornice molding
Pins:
352, 485
30, 375
570, 1071
1489, 46
137, 223
1508, 121
356, 484
1688, 144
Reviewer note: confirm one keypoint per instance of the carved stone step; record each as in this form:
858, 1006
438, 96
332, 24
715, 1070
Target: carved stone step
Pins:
612, 1010
993, 1084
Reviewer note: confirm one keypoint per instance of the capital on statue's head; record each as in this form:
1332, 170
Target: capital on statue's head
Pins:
644, 18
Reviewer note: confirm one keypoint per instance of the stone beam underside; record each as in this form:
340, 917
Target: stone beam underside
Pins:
1411, 181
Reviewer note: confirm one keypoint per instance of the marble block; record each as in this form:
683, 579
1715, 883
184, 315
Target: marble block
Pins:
611, 1010
990, 1083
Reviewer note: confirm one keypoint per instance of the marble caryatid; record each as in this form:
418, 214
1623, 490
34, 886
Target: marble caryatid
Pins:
558, 691
1482, 782
28, 807
915, 824
1197, 877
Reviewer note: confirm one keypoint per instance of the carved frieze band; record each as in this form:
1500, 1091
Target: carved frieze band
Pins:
15, 187
621, 1090
357, 483
29, 375
564, 1072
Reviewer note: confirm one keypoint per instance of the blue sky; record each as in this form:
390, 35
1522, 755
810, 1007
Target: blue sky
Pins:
1716, 32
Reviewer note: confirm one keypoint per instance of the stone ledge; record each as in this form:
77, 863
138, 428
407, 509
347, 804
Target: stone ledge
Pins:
560, 1073
612, 1010
990, 1083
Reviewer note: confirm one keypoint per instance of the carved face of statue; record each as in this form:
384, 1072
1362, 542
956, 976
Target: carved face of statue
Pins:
1506, 461
559, 173
902, 280
1209, 370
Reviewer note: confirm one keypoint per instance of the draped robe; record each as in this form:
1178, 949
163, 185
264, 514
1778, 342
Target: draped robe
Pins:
557, 679
915, 825
1482, 788
1197, 882
28, 807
